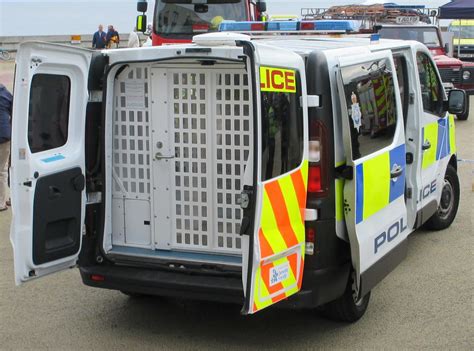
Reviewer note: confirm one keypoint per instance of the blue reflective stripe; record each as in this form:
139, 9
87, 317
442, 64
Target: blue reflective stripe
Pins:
53, 158
359, 193
398, 156
442, 149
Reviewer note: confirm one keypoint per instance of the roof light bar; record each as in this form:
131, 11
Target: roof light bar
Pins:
322, 26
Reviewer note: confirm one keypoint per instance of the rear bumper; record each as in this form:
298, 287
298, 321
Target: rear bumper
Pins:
319, 286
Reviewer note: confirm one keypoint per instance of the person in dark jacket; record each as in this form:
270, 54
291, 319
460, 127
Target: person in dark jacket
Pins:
112, 38
6, 100
99, 39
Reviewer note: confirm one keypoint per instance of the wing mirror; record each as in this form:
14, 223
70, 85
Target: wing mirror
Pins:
261, 6
446, 48
457, 101
142, 6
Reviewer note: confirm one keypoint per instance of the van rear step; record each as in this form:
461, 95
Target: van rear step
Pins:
165, 283
194, 258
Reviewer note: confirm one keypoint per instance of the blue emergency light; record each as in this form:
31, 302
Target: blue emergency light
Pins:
327, 26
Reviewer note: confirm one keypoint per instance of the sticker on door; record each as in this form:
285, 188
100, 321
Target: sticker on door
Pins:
279, 273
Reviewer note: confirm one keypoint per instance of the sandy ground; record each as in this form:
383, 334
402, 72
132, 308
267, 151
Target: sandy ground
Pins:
427, 302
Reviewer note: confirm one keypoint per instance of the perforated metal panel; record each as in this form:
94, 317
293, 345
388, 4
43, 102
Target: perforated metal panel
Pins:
231, 152
212, 141
131, 157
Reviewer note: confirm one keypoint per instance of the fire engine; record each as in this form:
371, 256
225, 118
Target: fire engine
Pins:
410, 22
258, 170
177, 21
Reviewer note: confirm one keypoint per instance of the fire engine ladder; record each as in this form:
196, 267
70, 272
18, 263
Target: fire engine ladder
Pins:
371, 15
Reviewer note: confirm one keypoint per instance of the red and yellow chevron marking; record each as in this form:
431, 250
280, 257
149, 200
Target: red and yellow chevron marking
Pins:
281, 239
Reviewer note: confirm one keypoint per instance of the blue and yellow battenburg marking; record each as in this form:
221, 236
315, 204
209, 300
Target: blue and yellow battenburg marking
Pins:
442, 137
374, 187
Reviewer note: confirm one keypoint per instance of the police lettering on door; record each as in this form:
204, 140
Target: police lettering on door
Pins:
390, 234
277, 80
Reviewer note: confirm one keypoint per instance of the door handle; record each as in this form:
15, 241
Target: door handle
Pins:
54, 192
426, 145
159, 156
396, 171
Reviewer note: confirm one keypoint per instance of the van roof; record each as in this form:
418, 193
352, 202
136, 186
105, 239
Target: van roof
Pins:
307, 45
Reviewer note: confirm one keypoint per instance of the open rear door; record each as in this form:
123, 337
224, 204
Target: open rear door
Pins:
374, 142
274, 220
47, 171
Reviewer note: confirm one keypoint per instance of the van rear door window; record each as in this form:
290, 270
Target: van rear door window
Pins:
48, 116
282, 129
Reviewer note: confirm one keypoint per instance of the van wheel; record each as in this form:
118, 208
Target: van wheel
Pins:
465, 115
449, 202
347, 308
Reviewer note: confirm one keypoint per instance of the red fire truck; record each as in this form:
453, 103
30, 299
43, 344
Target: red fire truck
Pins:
411, 22
177, 21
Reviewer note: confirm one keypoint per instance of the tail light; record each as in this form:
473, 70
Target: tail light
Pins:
97, 277
318, 182
310, 240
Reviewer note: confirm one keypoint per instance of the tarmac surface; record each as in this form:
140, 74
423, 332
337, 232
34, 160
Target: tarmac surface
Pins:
427, 302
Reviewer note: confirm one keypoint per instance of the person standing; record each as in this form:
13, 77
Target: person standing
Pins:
133, 39
6, 101
112, 37
99, 38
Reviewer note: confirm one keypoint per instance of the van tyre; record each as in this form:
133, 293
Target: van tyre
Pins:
449, 202
465, 115
347, 308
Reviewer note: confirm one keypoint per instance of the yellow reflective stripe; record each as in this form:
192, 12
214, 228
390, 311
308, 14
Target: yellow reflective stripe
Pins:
262, 300
339, 199
376, 184
304, 173
430, 134
270, 226
463, 41
293, 207
452, 135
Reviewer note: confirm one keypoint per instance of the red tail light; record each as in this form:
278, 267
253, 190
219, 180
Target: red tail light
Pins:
314, 178
318, 182
310, 240
307, 26
310, 235
257, 26
97, 277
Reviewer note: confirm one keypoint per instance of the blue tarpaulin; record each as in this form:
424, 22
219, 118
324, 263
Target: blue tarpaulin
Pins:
457, 9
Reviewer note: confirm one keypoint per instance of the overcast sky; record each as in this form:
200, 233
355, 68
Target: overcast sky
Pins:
48, 17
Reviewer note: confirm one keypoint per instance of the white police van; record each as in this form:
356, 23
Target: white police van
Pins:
238, 169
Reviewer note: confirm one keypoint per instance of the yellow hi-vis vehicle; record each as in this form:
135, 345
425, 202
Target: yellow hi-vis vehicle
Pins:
463, 40
287, 169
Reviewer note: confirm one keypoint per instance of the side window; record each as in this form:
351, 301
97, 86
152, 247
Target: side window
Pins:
431, 91
402, 77
282, 125
48, 116
371, 106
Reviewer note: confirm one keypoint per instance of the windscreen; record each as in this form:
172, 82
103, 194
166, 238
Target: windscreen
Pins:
178, 17
427, 36
463, 32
